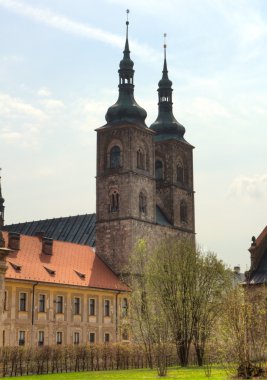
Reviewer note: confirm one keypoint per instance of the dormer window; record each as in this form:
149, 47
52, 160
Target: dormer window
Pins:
115, 157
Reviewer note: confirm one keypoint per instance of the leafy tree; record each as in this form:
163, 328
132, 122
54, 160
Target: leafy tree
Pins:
244, 331
178, 284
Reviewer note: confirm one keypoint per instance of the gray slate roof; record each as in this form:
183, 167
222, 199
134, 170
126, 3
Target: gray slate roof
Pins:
259, 276
78, 229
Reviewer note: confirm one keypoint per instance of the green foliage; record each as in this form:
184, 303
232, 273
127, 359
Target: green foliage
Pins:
177, 295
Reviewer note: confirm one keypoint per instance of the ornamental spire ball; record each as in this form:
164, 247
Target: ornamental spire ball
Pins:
126, 110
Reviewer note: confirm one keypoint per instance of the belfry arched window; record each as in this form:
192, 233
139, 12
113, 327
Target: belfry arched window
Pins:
142, 203
114, 201
183, 212
140, 159
115, 157
159, 169
180, 172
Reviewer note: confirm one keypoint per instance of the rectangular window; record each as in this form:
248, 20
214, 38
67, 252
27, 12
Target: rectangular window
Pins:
76, 338
22, 301
40, 338
41, 303
59, 337
77, 305
59, 304
21, 338
106, 337
106, 308
124, 307
92, 306
91, 337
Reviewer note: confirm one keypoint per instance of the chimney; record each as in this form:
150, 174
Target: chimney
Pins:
14, 241
237, 269
47, 246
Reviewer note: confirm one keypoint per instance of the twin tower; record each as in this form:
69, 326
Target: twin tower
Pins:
144, 182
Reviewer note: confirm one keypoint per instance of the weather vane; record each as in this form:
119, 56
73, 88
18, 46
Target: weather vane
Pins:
165, 45
127, 13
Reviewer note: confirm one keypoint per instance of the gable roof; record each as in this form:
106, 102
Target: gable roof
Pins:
78, 229
258, 270
70, 264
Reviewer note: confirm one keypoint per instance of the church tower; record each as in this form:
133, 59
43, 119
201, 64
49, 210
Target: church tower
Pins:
125, 184
173, 162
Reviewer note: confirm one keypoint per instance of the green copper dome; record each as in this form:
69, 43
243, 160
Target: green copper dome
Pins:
126, 110
166, 126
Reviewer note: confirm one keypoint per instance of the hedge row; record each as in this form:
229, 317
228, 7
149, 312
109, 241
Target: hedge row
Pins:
17, 361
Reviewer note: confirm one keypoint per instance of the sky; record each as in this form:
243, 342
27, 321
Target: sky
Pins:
58, 76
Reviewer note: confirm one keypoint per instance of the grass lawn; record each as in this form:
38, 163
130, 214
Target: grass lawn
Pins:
192, 373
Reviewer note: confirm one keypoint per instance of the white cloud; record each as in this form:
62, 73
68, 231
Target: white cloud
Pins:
9, 136
77, 28
52, 104
12, 58
207, 109
249, 187
44, 92
13, 107
245, 19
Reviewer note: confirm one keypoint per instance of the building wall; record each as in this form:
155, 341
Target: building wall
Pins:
170, 192
119, 237
32, 320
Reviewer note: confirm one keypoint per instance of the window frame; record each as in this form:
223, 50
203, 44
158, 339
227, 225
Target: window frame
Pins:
59, 304
59, 334
76, 337
92, 306
77, 305
107, 308
22, 337
41, 303
106, 337
41, 334
115, 160
161, 177
23, 301
90, 335
124, 307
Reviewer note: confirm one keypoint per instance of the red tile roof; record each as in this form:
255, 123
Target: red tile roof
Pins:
69, 262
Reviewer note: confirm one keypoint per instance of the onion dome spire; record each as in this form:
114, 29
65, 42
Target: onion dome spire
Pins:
166, 126
2, 207
126, 109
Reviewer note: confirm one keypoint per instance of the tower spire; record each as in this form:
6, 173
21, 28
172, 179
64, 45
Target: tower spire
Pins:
126, 109
166, 126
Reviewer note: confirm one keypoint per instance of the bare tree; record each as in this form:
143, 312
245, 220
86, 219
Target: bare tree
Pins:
149, 324
244, 331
